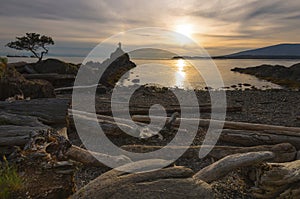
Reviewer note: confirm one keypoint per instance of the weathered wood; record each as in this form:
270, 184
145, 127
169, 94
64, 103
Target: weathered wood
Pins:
47, 110
247, 134
90, 158
282, 152
19, 120
175, 182
227, 124
11, 135
110, 126
145, 111
275, 180
254, 138
222, 167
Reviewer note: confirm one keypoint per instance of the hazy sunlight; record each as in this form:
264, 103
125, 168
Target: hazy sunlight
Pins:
185, 29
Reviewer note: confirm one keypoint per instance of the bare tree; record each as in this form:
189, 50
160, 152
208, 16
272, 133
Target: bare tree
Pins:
33, 42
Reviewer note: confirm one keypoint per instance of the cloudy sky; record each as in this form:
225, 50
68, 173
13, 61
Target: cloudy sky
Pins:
220, 26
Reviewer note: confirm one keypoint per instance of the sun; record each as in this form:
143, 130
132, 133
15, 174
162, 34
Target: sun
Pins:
185, 29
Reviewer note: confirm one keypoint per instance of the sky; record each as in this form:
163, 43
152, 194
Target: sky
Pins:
219, 26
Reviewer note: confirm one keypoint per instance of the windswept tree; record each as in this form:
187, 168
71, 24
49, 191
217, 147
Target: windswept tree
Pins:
33, 42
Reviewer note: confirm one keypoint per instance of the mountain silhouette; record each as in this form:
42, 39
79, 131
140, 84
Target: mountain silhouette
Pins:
276, 51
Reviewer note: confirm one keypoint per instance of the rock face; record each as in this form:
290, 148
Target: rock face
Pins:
115, 67
285, 76
55, 66
13, 83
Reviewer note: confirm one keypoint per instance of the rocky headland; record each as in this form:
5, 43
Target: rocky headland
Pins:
288, 77
259, 143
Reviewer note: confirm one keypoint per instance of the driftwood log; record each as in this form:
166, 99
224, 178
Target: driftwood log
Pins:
246, 134
145, 111
284, 152
50, 111
110, 126
227, 124
90, 158
174, 182
254, 138
19, 120
16, 130
275, 180
222, 167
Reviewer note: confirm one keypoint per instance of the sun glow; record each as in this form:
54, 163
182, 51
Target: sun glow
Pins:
185, 29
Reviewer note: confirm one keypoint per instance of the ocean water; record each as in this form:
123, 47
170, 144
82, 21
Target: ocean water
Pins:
183, 74
189, 73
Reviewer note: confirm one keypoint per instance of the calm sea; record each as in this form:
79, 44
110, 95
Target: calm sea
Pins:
183, 74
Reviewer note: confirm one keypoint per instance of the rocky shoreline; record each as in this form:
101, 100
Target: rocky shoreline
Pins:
277, 74
45, 147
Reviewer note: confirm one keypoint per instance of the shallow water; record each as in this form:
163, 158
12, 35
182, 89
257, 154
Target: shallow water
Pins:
187, 73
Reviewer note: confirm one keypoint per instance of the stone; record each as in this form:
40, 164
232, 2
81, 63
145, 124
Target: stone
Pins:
55, 66
12, 83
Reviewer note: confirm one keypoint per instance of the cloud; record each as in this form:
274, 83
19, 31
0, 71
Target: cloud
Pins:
216, 22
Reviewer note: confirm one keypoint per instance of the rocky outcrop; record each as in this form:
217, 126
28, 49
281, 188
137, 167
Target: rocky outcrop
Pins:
12, 83
285, 76
55, 66
115, 67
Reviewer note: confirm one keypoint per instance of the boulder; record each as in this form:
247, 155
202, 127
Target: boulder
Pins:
55, 66
12, 83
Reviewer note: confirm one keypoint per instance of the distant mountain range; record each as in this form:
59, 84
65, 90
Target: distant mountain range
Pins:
276, 51
280, 51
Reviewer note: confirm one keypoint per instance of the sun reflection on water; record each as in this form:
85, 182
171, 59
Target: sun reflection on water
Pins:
180, 72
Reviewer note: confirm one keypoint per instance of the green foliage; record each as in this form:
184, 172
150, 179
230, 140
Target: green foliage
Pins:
10, 181
32, 42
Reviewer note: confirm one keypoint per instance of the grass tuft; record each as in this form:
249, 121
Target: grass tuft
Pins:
10, 181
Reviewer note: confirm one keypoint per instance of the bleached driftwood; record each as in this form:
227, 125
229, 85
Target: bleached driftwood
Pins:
110, 126
282, 152
90, 158
222, 167
275, 180
174, 182
227, 124
247, 134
